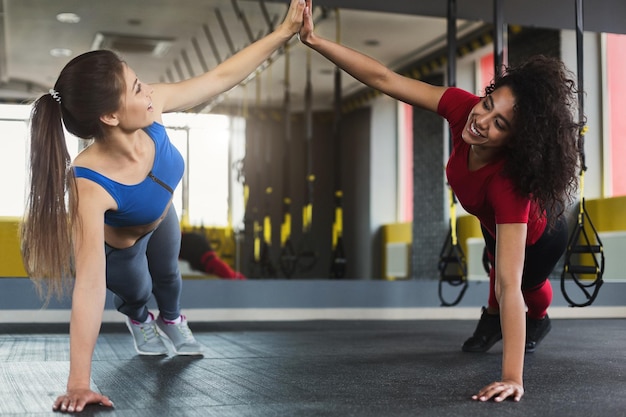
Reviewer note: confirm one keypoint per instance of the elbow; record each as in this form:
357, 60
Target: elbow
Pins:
381, 79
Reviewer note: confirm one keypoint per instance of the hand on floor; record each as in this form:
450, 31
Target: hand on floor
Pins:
500, 391
74, 401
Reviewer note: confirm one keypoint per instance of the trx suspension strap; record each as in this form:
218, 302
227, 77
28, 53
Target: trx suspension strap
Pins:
338, 259
254, 182
288, 259
267, 267
307, 255
265, 261
582, 247
238, 168
263, 231
452, 264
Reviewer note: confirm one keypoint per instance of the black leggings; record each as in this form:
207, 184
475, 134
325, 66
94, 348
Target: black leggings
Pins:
542, 257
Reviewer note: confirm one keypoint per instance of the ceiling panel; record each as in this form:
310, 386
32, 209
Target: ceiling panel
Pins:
392, 31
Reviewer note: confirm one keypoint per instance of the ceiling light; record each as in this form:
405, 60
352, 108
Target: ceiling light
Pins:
60, 52
68, 18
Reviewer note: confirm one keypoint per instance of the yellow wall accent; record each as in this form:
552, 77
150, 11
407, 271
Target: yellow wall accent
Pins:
10, 257
466, 227
394, 233
606, 214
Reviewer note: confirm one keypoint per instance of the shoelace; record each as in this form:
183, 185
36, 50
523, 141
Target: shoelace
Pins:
149, 332
185, 330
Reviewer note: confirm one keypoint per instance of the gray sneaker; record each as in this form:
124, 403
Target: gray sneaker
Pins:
146, 338
181, 337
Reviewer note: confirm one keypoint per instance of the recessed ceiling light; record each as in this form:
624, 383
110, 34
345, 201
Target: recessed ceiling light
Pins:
68, 18
60, 52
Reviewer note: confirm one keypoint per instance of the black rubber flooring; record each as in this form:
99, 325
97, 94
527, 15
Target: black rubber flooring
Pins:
322, 368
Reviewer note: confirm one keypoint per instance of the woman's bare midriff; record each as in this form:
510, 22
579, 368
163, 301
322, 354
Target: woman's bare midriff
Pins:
125, 237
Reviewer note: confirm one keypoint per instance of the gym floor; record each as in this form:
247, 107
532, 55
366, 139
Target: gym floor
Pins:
321, 368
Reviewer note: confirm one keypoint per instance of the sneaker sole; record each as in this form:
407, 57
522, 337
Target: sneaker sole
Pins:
198, 353
177, 352
141, 352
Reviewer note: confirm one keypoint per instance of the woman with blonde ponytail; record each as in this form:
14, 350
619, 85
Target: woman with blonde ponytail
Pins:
106, 219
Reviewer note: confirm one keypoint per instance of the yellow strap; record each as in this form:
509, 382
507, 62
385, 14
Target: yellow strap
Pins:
267, 222
307, 214
257, 242
582, 190
338, 223
453, 235
285, 229
267, 230
582, 181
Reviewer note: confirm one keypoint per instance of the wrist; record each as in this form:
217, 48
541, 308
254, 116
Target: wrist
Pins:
76, 386
285, 32
516, 381
310, 40
78, 382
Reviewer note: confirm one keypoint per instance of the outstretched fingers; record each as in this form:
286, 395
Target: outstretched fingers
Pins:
75, 401
307, 27
500, 391
295, 16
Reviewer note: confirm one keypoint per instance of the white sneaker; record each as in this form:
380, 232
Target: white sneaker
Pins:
146, 338
181, 337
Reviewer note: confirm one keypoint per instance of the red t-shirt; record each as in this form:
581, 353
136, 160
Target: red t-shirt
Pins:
486, 192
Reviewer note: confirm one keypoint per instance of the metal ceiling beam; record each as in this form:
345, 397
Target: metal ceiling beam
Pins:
244, 20
187, 62
271, 23
225, 32
199, 55
211, 39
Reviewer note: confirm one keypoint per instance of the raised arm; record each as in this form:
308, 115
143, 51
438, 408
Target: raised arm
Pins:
194, 91
370, 71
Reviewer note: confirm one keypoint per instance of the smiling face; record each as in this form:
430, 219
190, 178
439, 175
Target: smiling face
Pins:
490, 123
136, 109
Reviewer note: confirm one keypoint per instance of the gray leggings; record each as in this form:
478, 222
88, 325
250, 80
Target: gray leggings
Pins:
148, 267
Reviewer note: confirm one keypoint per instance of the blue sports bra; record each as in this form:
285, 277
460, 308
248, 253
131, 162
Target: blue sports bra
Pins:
143, 203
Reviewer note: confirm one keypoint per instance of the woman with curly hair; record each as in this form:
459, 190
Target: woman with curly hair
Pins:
514, 166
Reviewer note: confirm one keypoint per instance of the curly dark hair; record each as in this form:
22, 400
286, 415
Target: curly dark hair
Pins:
542, 155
